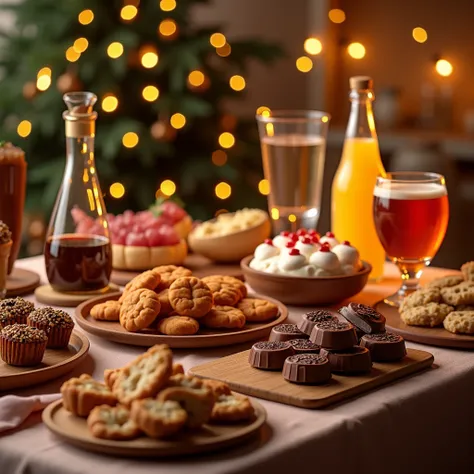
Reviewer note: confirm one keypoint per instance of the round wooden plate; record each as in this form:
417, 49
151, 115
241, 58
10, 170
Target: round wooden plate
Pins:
113, 331
46, 295
73, 429
56, 362
432, 336
21, 282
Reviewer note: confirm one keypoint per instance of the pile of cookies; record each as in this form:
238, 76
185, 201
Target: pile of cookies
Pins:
447, 301
152, 396
169, 300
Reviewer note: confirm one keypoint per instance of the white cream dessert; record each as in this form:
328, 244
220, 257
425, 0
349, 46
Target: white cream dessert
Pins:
281, 240
306, 246
349, 257
326, 262
329, 238
264, 255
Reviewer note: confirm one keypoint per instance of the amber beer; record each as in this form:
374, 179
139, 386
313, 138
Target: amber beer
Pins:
411, 219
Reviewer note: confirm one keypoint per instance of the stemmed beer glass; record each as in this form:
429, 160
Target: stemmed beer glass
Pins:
411, 213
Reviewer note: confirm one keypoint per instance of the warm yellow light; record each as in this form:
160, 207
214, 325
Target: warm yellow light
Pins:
44, 71
109, 103
85, 17
117, 190
219, 157
292, 218
128, 12
356, 50
167, 27
217, 40
444, 67
196, 78
168, 5
150, 93
80, 45
149, 60
264, 111
226, 140
223, 190
178, 121
43, 82
115, 50
313, 46
224, 51
324, 119
270, 129
237, 83
72, 55
264, 187
130, 140
167, 187
275, 213
24, 128
419, 34
304, 64
337, 15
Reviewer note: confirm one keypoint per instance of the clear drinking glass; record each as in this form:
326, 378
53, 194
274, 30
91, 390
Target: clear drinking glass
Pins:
411, 214
293, 146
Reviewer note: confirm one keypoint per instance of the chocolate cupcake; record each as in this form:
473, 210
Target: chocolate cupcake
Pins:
22, 345
18, 307
6, 318
56, 323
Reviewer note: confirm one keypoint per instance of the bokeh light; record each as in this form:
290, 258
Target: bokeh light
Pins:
167, 27
85, 17
223, 190
219, 157
130, 140
150, 93
444, 67
292, 218
149, 59
167, 187
264, 187
115, 50
313, 46
264, 111
217, 40
419, 34
128, 12
356, 50
275, 213
237, 83
226, 140
43, 82
178, 121
80, 45
336, 15
72, 55
24, 128
109, 103
44, 71
117, 190
304, 64
168, 5
224, 51
196, 78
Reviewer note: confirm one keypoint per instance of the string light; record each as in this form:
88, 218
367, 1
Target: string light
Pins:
264, 187
219, 157
128, 12
24, 128
336, 15
223, 190
275, 213
43, 82
80, 45
313, 46
356, 50
115, 50
149, 57
444, 67
226, 140
292, 218
324, 119
196, 78
167, 187
178, 121
150, 93
109, 103
304, 64
224, 51
264, 111
167, 27
85, 17
168, 5
237, 83
130, 140
419, 34
117, 190
72, 55
44, 71
217, 40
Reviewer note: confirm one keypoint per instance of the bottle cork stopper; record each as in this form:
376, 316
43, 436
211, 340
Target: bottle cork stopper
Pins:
361, 82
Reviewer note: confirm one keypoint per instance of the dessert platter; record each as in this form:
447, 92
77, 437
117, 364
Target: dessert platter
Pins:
303, 268
137, 411
440, 314
327, 357
168, 305
36, 345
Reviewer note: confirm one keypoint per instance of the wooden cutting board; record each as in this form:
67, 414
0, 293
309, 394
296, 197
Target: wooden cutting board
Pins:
270, 385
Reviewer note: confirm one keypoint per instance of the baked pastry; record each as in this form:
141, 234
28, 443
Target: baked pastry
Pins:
170, 273
217, 388
231, 409
57, 324
82, 394
421, 297
182, 380
139, 309
445, 282
431, 314
459, 294
178, 326
460, 322
22, 345
6, 318
108, 422
468, 271
149, 280
256, 310
221, 317
177, 369
219, 284
166, 307
190, 296
108, 311
110, 376
18, 307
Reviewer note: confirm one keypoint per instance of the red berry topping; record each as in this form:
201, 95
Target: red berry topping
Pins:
301, 232
325, 248
315, 238
269, 241
290, 244
285, 233
306, 240
330, 235
294, 252
312, 231
293, 237
346, 242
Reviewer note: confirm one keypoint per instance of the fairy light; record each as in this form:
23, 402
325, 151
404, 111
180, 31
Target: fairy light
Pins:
224, 51
150, 93
324, 119
167, 27
237, 83
167, 187
419, 34
168, 5
336, 15
80, 45
130, 140
44, 71
117, 190
264, 111
304, 64
85, 17
43, 82
217, 40
292, 218
149, 57
313, 46
226, 140
356, 50
128, 12
219, 157
24, 128
270, 129
264, 187
178, 121
275, 213
223, 190
196, 78
444, 67
72, 55
109, 103
115, 50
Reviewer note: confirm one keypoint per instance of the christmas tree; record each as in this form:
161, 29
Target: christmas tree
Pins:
161, 84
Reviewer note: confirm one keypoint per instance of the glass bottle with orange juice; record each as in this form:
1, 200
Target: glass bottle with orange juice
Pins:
353, 184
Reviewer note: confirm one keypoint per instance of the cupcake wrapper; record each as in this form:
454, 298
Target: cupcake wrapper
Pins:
22, 353
58, 337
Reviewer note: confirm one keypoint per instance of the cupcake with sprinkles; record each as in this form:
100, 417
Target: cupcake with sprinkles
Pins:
22, 345
18, 307
6, 318
56, 323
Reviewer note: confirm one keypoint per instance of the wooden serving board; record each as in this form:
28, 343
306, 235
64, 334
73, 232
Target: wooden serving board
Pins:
21, 282
198, 264
270, 385
73, 430
113, 331
437, 336
56, 362
46, 295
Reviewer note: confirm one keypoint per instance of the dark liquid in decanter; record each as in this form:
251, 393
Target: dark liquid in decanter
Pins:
78, 262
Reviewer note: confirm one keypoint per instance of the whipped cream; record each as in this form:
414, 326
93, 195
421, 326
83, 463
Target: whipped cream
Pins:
330, 239
349, 257
306, 247
280, 241
327, 262
265, 251
290, 261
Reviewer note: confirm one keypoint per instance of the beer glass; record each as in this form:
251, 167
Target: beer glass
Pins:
411, 214
293, 151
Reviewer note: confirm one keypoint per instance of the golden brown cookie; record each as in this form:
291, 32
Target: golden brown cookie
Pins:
421, 297
468, 271
139, 309
170, 273
224, 317
225, 281
145, 376
110, 376
182, 380
178, 326
460, 322
108, 311
217, 388
108, 422
459, 294
256, 310
232, 408
445, 282
464, 307
149, 280
431, 314
177, 369
158, 419
166, 307
189, 296
225, 290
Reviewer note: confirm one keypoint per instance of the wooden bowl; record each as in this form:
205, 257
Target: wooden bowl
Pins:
301, 291
231, 247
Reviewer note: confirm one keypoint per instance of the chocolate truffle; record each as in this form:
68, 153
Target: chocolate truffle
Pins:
304, 346
384, 347
285, 332
307, 369
309, 320
364, 317
334, 335
350, 361
270, 355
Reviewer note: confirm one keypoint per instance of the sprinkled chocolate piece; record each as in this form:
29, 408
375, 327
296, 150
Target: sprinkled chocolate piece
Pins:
270, 355
5, 234
334, 335
307, 369
304, 346
364, 317
350, 361
23, 333
384, 347
271, 345
51, 317
285, 332
18, 307
333, 325
383, 336
307, 359
310, 319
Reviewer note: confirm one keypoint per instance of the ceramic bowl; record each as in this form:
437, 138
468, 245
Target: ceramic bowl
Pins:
300, 291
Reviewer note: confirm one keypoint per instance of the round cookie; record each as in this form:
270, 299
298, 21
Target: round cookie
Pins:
461, 322
224, 293
445, 282
468, 271
190, 296
166, 307
108, 311
231, 408
228, 280
421, 297
431, 314
139, 309
178, 326
108, 422
149, 279
224, 317
170, 273
257, 310
463, 293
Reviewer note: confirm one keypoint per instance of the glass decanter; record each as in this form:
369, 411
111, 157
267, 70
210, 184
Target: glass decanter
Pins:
78, 254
